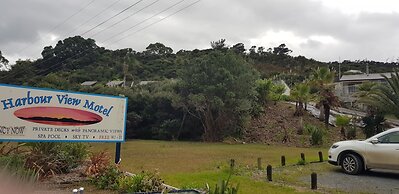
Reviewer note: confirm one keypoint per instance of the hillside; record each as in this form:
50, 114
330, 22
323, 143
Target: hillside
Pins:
278, 126
153, 111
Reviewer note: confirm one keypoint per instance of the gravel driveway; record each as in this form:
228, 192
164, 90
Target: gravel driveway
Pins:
374, 181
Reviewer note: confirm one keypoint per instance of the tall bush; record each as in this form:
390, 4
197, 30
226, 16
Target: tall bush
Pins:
219, 89
263, 88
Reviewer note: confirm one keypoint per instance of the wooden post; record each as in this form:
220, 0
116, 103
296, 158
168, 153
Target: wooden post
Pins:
282, 160
269, 172
259, 163
303, 157
313, 179
321, 156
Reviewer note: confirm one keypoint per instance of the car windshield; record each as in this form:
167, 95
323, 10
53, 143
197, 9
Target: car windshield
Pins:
380, 135
389, 138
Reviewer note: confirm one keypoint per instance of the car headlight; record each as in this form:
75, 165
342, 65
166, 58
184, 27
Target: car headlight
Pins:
334, 146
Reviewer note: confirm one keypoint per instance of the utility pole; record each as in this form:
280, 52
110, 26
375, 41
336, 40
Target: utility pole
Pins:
339, 68
125, 71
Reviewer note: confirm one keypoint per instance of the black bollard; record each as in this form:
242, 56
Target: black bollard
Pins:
321, 157
303, 157
269, 172
282, 160
313, 179
232, 163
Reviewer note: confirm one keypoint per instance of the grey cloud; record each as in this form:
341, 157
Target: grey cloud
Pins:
311, 44
368, 35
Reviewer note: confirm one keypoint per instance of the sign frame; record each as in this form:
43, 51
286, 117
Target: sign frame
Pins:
71, 92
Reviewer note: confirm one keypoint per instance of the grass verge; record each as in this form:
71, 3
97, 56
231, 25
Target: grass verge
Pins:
193, 164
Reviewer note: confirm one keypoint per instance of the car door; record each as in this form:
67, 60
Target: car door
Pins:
385, 153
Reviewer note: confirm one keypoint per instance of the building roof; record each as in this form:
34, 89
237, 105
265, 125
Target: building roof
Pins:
353, 71
88, 83
115, 83
141, 83
360, 77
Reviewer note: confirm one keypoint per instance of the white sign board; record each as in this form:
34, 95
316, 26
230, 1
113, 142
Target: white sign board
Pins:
33, 114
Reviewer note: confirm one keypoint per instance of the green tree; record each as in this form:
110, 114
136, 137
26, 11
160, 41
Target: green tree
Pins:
69, 54
277, 92
282, 49
322, 79
19, 73
252, 52
218, 88
343, 122
364, 89
238, 48
158, 49
381, 99
301, 95
263, 88
219, 45
385, 97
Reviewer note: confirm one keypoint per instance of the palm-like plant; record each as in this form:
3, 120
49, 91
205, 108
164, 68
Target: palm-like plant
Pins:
301, 96
364, 89
343, 122
385, 97
277, 92
322, 79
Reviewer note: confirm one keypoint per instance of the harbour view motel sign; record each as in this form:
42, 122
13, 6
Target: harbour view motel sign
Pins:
44, 115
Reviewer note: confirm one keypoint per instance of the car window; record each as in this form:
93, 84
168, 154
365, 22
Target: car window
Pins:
390, 138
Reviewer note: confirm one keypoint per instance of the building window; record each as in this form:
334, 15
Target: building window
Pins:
351, 89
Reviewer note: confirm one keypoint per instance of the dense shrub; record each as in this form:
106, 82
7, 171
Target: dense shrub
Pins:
143, 182
113, 178
106, 175
108, 178
54, 158
98, 163
316, 134
343, 122
351, 134
373, 124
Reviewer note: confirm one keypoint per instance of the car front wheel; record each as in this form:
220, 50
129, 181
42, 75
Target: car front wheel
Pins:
351, 164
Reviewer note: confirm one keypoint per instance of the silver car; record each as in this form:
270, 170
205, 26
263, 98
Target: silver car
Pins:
380, 151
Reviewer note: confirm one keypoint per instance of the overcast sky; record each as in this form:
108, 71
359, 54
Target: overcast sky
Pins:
326, 30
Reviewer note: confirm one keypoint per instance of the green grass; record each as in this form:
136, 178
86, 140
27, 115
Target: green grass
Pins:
246, 184
193, 164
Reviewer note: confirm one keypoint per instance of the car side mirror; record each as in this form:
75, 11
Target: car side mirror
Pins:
374, 141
